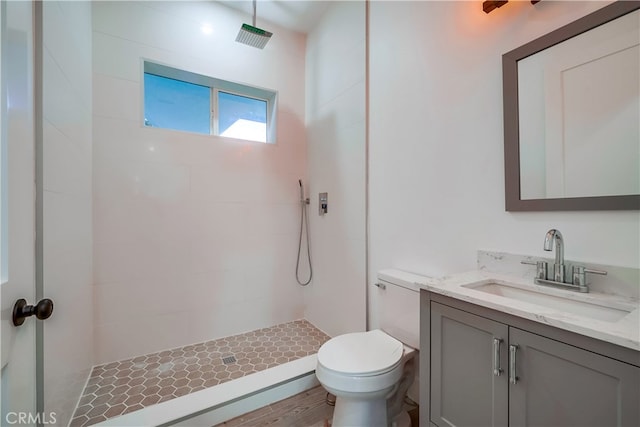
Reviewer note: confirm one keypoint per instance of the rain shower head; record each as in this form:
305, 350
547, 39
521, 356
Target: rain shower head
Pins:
252, 35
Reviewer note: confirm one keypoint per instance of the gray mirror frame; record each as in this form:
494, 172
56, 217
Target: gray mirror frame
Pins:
513, 202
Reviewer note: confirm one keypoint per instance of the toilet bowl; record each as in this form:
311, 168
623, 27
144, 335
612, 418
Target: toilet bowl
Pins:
370, 372
363, 371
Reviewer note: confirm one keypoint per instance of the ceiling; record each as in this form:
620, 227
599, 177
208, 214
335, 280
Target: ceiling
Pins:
296, 15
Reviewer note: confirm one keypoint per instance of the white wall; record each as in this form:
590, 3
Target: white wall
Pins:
436, 145
195, 236
335, 300
67, 239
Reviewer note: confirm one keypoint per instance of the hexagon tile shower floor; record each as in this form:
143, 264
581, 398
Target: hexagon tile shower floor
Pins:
129, 385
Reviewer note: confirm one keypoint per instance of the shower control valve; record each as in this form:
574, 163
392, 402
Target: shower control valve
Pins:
322, 203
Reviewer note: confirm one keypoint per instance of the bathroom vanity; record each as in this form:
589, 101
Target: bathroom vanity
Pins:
499, 350
492, 369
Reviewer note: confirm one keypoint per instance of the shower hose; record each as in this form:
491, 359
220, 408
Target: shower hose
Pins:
304, 225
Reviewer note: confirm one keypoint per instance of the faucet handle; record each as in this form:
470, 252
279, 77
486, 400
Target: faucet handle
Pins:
600, 272
579, 275
581, 270
541, 268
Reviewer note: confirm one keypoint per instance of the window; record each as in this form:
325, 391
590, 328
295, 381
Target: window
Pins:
180, 100
242, 117
174, 104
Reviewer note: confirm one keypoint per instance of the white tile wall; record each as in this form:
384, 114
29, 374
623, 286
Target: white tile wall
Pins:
335, 300
67, 239
195, 236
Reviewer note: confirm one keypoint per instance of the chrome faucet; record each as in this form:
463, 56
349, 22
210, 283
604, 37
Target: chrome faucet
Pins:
578, 282
554, 236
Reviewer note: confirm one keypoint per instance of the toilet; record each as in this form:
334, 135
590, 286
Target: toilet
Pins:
370, 372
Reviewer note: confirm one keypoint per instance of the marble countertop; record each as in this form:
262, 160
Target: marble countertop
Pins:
623, 330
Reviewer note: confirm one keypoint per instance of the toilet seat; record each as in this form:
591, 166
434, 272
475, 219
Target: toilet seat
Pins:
361, 354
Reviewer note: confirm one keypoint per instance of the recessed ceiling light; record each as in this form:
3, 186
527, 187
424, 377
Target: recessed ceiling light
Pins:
206, 29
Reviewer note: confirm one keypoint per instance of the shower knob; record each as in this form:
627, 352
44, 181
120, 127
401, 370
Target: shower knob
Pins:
21, 310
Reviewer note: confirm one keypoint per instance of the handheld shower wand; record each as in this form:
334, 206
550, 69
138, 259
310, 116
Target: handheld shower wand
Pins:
302, 199
301, 191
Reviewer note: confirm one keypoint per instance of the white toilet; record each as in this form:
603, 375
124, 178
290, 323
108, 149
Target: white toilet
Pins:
370, 372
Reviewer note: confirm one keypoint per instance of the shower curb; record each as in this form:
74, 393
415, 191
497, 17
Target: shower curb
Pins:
227, 400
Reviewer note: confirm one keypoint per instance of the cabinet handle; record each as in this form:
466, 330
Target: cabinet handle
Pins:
512, 363
496, 357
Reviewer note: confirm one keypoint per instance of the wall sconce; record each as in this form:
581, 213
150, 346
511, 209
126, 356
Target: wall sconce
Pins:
490, 5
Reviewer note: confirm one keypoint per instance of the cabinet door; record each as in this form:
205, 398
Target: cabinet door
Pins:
561, 385
465, 390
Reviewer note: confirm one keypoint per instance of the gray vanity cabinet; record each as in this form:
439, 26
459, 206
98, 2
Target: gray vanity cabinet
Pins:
464, 389
561, 385
471, 380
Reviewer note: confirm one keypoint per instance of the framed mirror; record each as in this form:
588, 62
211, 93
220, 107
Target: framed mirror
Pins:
572, 115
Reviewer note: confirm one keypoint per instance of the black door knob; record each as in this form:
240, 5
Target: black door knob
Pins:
21, 310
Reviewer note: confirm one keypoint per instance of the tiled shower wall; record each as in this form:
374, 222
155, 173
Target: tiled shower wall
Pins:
195, 237
336, 129
67, 238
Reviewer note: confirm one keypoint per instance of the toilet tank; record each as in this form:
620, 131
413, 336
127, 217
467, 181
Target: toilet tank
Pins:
399, 305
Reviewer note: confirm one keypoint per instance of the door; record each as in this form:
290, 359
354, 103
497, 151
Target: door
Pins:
468, 369
17, 212
561, 385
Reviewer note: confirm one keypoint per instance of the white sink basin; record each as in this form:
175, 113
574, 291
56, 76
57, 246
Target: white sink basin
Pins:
590, 309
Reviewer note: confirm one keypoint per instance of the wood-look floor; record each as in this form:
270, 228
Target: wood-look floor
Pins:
307, 409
